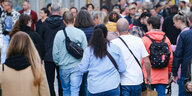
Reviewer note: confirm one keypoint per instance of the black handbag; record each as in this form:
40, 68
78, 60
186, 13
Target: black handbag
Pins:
144, 87
72, 47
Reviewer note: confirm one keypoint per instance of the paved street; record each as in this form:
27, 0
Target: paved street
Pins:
174, 89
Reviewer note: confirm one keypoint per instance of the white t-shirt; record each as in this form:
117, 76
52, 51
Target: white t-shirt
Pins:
133, 74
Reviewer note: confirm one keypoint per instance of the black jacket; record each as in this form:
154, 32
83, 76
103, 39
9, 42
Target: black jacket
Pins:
38, 25
170, 30
142, 26
37, 40
48, 30
183, 53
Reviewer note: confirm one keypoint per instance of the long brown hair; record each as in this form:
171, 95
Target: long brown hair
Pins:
98, 40
84, 20
22, 44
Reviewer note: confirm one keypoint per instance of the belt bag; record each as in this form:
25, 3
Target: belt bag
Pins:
73, 48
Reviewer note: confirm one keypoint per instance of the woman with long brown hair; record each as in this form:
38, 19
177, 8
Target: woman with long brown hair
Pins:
24, 24
103, 76
23, 74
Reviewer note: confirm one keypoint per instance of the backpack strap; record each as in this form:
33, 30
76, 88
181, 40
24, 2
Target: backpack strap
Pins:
150, 38
163, 40
164, 37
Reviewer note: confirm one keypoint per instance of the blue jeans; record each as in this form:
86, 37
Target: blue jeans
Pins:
160, 88
131, 90
6, 39
83, 89
180, 82
71, 80
113, 92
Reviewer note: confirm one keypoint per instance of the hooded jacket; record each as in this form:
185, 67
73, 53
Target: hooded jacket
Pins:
158, 76
37, 40
48, 31
17, 79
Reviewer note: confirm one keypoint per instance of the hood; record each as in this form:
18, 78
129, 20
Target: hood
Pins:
156, 35
18, 62
54, 21
25, 28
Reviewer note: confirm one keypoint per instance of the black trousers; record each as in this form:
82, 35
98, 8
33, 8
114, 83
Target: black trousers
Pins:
50, 72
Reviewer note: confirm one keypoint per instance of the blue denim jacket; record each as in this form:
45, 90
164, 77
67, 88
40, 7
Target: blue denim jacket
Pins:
102, 76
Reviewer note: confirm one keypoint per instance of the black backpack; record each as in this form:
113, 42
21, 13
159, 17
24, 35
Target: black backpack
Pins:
72, 47
159, 53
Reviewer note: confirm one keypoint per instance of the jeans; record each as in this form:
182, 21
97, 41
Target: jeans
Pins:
160, 88
50, 73
131, 90
113, 92
6, 39
71, 80
180, 82
83, 89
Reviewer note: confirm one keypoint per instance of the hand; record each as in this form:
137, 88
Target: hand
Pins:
149, 80
174, 79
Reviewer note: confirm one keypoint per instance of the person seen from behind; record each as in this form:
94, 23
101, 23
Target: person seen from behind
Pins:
23, 74
104, 75
161, 57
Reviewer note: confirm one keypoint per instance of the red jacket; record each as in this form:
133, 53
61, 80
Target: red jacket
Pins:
34, 18
158, 76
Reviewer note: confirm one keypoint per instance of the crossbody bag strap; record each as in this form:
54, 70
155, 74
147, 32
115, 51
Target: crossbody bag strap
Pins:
134, 57
112, 60
66, 36
131, 52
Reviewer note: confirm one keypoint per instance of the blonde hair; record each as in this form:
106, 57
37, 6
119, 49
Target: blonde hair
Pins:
22, 44
180, 16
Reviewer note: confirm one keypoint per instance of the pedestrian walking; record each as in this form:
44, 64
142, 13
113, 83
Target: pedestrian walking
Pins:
182, 57
23, 74
7, 21
161, 56
24, 24
133, 51
27, 10
47, 32
70, 74
103, 77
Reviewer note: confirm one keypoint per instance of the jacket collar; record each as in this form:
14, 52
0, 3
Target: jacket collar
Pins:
18, 62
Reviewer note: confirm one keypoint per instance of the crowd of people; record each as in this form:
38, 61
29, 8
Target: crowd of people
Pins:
110, 52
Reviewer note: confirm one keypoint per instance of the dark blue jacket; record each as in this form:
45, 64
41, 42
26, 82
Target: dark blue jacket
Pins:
183, 53
88, 32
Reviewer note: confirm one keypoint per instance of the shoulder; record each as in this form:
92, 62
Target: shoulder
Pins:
33, 12
80, 31
15, 13
21, 11
113, 46
132, 38
59, 33
115, 41
186, 33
